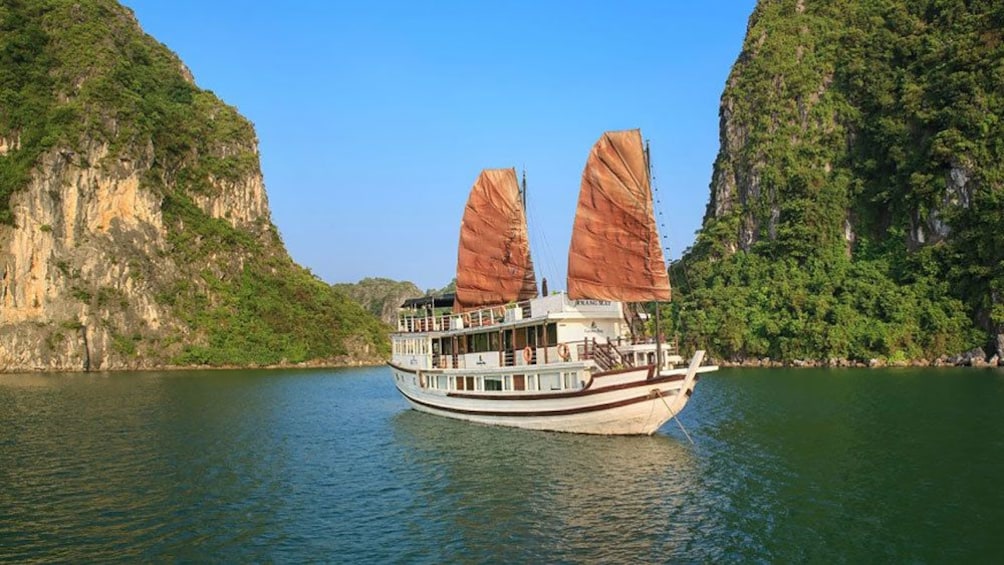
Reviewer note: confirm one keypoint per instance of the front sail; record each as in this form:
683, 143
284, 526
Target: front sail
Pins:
493, 261
616, 252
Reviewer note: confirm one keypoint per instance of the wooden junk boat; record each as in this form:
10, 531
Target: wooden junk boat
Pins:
499, 354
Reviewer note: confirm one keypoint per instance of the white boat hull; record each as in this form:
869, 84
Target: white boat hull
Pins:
626, 402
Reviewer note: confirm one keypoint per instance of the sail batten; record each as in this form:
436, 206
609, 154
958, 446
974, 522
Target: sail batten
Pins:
616, 252
493, 259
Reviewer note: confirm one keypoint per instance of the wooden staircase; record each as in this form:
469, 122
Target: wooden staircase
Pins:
604, 354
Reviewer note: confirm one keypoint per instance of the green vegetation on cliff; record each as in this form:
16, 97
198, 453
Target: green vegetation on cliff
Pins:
857, 203
79, 77
268, 311
74, 74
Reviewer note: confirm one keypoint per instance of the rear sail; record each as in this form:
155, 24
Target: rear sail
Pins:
616, 252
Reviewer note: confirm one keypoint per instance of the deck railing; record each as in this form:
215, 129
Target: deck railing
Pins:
669, 347
423, 323
418, 322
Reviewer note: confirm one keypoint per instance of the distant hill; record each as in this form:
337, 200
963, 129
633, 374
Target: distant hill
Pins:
134, 225
857, 201
382, 297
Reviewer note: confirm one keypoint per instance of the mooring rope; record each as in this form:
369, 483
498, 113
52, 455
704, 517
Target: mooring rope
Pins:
672, 415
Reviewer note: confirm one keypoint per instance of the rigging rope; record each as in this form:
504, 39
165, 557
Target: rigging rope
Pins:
663, 231
538, 240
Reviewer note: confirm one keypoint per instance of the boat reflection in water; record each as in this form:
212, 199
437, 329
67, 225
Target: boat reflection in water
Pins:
522, 495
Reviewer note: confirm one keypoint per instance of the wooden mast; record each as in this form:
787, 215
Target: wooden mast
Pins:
658, 336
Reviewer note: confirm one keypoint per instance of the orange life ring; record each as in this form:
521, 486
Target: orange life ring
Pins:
563, 352
527, 354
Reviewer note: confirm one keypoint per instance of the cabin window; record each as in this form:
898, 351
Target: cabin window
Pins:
519, 338
441, 382
493, 383
552, 334
493, 341
570, 382
479, 343
550, 381
519, 382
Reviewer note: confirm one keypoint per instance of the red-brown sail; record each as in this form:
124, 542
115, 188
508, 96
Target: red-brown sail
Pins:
493, 260
616, 252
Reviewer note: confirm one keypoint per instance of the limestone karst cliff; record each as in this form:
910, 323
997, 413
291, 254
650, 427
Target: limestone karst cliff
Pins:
857, 199
135, 226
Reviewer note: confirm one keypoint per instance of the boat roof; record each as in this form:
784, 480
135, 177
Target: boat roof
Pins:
442, 301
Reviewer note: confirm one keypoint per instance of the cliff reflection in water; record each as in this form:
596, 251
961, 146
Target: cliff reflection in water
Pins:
522, 495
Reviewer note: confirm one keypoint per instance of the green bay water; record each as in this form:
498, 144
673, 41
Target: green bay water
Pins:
330, 465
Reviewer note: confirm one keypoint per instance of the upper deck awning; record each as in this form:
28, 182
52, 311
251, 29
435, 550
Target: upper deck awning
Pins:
444, 301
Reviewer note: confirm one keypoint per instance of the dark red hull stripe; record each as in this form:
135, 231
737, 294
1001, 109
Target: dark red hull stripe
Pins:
624, 370
403, 369
535, 414
583, 392
588, 390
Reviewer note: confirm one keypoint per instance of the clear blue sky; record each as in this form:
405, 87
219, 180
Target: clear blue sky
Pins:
374, 118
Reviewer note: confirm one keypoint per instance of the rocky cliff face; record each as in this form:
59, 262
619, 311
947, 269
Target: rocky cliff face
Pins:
857, 201
87, 257
867, 129
835, 94
67, 295
138, 233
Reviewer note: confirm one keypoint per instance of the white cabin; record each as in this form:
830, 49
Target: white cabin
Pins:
546, 343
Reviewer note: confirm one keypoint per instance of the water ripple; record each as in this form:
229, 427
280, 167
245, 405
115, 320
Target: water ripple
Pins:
330, 466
